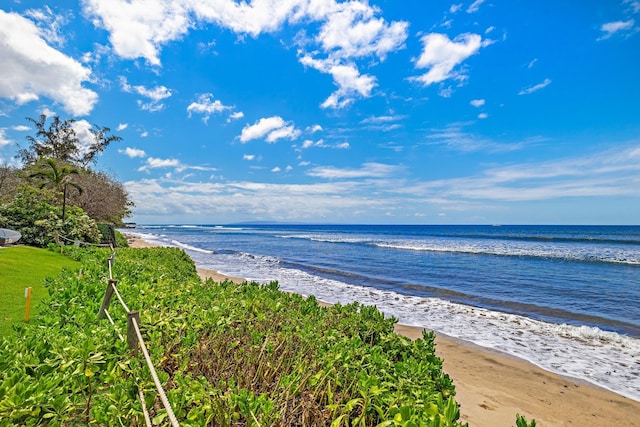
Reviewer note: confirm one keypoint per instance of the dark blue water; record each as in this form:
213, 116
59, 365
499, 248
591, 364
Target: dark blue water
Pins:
487, 284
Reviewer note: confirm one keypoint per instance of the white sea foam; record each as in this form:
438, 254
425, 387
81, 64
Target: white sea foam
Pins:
556, 250
189, 247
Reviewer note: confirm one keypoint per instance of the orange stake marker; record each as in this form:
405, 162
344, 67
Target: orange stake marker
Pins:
27, 295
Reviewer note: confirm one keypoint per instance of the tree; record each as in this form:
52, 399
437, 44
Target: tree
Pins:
59, 177
9, 181
58, 140
103, 198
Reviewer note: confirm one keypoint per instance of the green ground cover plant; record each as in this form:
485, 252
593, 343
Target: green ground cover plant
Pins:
227, 354
22, 267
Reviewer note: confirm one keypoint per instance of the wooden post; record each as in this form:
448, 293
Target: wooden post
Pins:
27, 295
107, 298
132, 337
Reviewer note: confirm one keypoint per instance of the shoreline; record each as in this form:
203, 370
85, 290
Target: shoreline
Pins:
491, 386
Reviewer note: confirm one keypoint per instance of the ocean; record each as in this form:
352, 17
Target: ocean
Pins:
566, 298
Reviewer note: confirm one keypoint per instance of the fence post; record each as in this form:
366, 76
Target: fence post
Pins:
107, 297
132, 337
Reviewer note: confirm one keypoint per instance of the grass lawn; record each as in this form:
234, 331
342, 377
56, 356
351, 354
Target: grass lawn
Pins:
22, 267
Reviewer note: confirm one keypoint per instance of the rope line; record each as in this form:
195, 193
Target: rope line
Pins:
145, 411
115, 290
156, 380
75, 241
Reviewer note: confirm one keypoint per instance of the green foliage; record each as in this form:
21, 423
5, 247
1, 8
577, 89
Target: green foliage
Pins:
121, 241
23, 267
227, 354
521, 421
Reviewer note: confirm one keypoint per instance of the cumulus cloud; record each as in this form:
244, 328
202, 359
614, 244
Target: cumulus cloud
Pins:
276, 169
133, 152
138, 29
154, 95
273, 128
30, 68
21, 128
347, 77
235, 116
535, 88
122, 126
154, 163
347, 31
477, 102
206, 106
442, 55
249, 157
483, 115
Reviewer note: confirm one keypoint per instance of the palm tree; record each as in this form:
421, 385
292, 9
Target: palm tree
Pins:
58, 177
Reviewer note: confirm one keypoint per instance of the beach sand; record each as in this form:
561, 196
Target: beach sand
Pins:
492, 387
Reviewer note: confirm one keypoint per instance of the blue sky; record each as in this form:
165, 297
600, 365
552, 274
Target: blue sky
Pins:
326, 111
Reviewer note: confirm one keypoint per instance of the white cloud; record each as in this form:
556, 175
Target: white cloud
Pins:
273, 128
347, 31
50, 24
122, 126
133, 152
154, 163
368, 170
82, 128
21, 128
276, 169
351, 84
144, 134
441, 55
475, 6
532, 63
235, 116
483, 115
605, 174
249, 157
289, 132
139, 28
314, 128
477, 102
206, 106
154, 95
611, 28
455, 8
489, 29
322, 144
634, 5
381, 119
30, 68
4, 140
534, 88
456, 137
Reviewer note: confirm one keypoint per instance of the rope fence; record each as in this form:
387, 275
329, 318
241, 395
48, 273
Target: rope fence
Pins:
134, 337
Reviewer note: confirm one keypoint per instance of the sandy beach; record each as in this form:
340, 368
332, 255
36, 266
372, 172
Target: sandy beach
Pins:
492, 387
